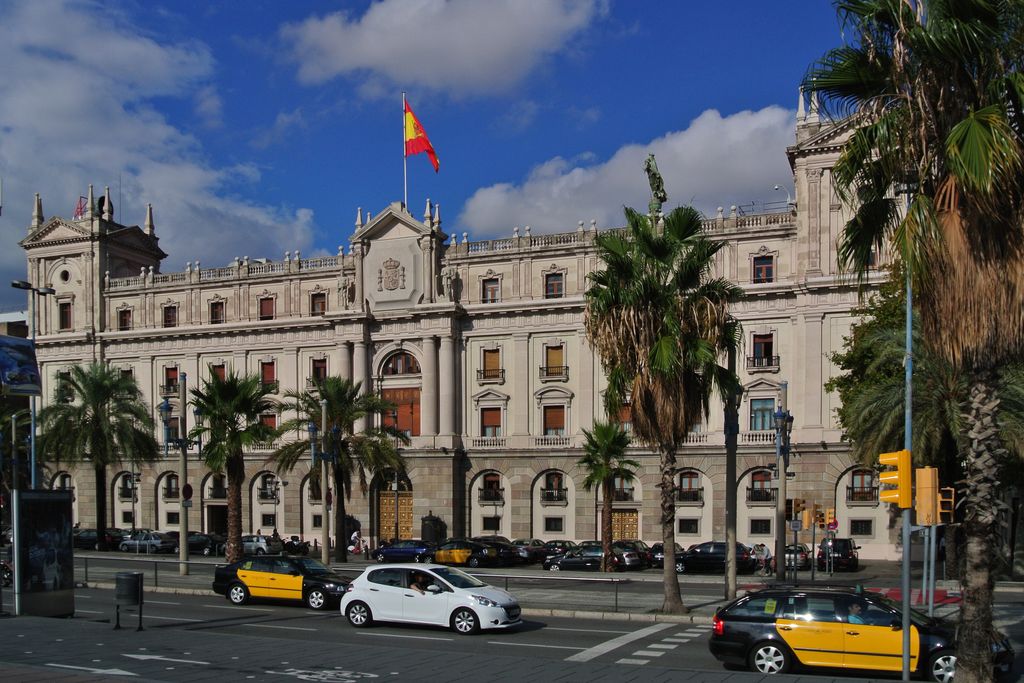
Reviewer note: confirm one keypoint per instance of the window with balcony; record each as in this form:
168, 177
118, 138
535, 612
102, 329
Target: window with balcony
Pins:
625, 417
490, 290
491, 490
863, 488
218, 487
764, 269
764, 357
622, 490
554, 489
404, 415
267, 488
66, 319
218, 370
760, 489
170, 487
401, 363
318, 303
124, 319
761, 414
170, 386
266, 306
216, 312
554, 420
318, 369
554, 363
268, 375
554, 286
492, 370
690, 490
490, 422
170, 316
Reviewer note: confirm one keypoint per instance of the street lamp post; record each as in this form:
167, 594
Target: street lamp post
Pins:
325, 491
783, 427
34, 292
182, 442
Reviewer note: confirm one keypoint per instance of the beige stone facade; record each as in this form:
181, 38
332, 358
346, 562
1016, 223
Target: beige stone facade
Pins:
482, 342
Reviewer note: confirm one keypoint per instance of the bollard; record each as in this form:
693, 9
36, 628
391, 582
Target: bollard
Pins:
127, 591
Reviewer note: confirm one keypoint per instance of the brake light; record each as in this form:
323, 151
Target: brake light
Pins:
718, 626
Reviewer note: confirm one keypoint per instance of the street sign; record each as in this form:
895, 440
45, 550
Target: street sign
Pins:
186, 503
186, 492
795, 525
833, 525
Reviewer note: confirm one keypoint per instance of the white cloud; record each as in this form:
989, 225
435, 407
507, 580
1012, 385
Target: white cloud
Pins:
743, 153
458, 46
209, 107
76, 108
283, 123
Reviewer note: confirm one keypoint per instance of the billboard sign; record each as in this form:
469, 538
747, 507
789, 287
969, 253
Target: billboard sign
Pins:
19, 373
44, 570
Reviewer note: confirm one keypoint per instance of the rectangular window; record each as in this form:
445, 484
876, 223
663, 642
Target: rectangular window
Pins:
405, 413
318, 303
172, 428
127, 517
554, 286
491, 291
216, 312
218, 371
690, 527
554, 362
554, 525
269, 520
318, 368
65, 321
124, 320
554, 420
764, 351
490, 421
127, 373
760, 527
170, 316
764, 269
171, 379
761, 410
861, 527
267, 373
492, 523
173, 518
318, 521
269, 420
267, 309
492, 364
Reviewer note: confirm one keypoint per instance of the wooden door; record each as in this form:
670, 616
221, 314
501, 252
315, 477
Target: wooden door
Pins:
625, 524
386, 507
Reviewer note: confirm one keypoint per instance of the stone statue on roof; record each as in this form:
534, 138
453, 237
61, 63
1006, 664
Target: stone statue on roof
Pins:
658, 195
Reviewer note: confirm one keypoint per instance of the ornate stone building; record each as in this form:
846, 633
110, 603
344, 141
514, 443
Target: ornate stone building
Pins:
480, 344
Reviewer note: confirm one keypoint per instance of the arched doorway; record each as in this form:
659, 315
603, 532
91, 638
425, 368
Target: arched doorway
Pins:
388, 506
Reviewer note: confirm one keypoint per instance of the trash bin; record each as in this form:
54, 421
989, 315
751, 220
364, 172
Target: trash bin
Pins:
128, 588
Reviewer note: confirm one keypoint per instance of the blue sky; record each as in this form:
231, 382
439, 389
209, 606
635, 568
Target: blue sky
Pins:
261, 126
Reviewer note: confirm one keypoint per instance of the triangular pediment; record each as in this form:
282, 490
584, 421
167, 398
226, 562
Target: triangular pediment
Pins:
761, 384
394, 222
490, 396
831, 135
55, 230
133, 238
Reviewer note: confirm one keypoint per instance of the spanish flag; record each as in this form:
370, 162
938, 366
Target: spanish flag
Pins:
416, 139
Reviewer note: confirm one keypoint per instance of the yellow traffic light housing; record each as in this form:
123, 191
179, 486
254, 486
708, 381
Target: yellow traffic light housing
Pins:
900, 479
819, 516
947, 503
799, 505
927, 498
830, 516
806, 520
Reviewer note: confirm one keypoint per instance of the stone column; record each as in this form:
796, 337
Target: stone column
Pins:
811, 353
428, 398
446, 382
358, 253
814, 221
518, 414
359, 375
586, 407
345, 361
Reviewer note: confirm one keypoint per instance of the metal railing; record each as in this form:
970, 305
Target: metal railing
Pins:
622, 495
763, 362
488, 495
761, 495
553, 495
861, 494
169, 390
554, 372
493, 373
690, 495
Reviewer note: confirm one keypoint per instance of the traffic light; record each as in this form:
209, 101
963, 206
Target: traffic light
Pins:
830, 516
902, 493
789, 508
947, 502
799, 505
927, 498
819, 516
807, 519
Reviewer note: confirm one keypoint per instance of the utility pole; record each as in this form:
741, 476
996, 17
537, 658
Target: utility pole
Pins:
183, 501
783, 425
325, 492
732, 430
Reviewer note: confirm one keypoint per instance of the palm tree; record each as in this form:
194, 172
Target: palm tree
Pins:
232, 408
604, 461
935, 89
660, 322
104, 422
371, 451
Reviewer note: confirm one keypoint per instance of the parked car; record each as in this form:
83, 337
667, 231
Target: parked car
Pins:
148, 542
205, 544
508, 554
588, 558
281, 578
465, 552
658, 554
446, 597
710, 556
558, 548
404, 551
530, 549
843, 552
261, 545
642, 550
86, 539
775, 629
798, 555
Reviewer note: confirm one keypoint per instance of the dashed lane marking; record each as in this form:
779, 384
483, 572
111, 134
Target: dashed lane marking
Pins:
553, 647
626, 660
283, 628
614, 643
648, 653
149, 616
675, 640
582, 630
661, 646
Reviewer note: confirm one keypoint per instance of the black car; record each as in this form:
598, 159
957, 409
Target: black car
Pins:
86, 539
774, 630
205, 544
843, 552
582, 558
552, 548
710, 557
280, 578
508, 554
658, 554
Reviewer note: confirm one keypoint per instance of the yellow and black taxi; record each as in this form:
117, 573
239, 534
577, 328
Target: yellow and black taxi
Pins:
776, 629
465, 552
280, 578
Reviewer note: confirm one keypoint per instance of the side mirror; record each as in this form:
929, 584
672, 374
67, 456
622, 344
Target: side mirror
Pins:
433, 588
897, 625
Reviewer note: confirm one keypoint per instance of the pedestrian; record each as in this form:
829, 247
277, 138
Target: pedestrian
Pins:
356, 543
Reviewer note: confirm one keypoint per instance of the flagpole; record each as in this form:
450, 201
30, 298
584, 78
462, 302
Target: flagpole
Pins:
405, 161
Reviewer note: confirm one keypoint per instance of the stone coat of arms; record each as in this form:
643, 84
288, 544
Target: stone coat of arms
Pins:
391, 276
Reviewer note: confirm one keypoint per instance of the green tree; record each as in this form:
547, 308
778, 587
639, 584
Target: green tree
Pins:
355, 455
604, 460
97, 416
935, 90
659, 321
231, 409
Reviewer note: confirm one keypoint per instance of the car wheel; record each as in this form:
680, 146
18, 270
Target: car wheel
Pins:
238, 594
680, 567
124, 547
358, 614
260, 551
175, 549
769, 658
316, 599
941, 666
474, 562
428, 559
379, 557
554, 568
465, 621
207, 551
418, 558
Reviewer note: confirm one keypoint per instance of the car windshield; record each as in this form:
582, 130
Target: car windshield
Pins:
311, 566
918, 618
458, 578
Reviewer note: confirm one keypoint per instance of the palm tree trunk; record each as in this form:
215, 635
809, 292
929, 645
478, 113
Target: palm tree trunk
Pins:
101, 506
981, 501
673, 598
608, 486
236, 474
340, 537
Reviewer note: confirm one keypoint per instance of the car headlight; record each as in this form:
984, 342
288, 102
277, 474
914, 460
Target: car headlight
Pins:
329, 586
485, 601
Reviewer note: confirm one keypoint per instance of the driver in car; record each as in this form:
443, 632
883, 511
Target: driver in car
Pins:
420, 583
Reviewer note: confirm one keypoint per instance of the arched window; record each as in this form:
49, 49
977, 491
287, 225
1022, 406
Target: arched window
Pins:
491, 490
863, 489
171, 486
554, 487
690, 490
760, 490
401, 364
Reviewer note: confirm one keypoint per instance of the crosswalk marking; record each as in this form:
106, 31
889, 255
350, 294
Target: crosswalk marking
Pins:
648, 653
675, 640
662, 646
627, 660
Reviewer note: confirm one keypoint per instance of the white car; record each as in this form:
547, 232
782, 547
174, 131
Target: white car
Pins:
450, 598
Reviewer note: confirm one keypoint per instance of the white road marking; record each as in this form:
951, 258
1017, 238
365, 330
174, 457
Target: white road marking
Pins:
553, 647
648, 653
147, 616
108, 672
247, 609
395, 635
286, 628
660, 646
675, 640
88, 611
614, 643
582, 630
626, 660
158, 602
